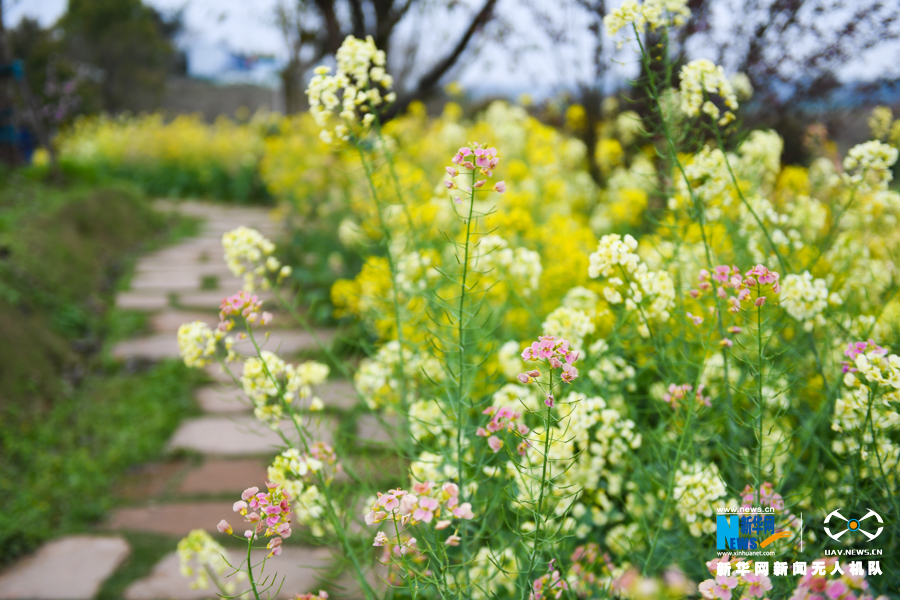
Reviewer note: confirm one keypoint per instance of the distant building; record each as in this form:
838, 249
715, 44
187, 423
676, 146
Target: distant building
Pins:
218, 63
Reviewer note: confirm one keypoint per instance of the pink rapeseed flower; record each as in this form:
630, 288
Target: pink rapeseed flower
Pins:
569, 373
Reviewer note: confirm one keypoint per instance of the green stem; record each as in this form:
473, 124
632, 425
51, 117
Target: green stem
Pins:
698, 205
832, 233
538, 517
329, 503
460, 388
394, 293
759, 403
250, 568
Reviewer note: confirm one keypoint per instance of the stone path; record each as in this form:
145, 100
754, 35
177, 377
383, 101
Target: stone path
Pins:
69, 568
227, 449
297, 568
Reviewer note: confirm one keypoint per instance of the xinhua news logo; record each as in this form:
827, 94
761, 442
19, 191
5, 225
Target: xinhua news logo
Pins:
746, 532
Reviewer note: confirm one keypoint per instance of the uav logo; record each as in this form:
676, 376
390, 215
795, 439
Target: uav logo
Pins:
729, 529
853, 525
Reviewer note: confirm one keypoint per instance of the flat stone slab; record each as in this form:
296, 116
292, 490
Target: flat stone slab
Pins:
371, 431
148, 301
218, 374
70, 568
286, 341
150, 480
152, 347
181, 261
241, 435
223, 399
170, 320
338, 394
170, 279
183, 280
217, 476
210, 299
177, 519
299, 567
165, 345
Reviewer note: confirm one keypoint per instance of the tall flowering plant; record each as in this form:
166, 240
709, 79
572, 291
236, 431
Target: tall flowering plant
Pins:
674, 370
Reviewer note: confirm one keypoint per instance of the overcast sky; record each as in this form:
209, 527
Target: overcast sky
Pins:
533, 64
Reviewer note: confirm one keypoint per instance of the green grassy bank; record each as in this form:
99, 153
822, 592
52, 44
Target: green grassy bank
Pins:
71, 421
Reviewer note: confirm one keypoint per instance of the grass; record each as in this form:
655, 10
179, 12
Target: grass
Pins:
58, 472
146, 550
71, 422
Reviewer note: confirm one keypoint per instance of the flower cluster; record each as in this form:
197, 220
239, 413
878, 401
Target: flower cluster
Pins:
610, 369
378, 378
603, 439
202, 556
755, 286
697, 486
521, 267
880, 122
729, 573
272, 519
550, 350
197, 343
650, 292
700, 79
320, 463
503, 417
248, 253
549, 585
427, 505
869, 165
322, 595
485, 160
760, 156
613, 253
295, 473
805, 298
677, 393
706, 176
359, 80
586, 561
268, 381
651, 12
872, 363
830, 581
767, 496
243, 304
569, 323
416, 272
867, 426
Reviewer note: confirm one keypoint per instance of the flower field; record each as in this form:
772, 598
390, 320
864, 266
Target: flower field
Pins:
581, 377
